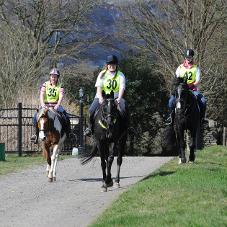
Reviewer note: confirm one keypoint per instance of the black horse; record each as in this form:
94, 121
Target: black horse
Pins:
110, 135
187, 117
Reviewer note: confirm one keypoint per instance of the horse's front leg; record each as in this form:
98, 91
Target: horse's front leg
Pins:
46, 154
47, 169
119, 162
181, 145
109, 181
120, 150
192, 146
103, 165
54, 158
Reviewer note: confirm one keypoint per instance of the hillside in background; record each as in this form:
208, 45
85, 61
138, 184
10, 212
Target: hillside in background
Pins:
104, 18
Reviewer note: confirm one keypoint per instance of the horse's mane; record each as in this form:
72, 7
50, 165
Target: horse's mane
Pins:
176, 82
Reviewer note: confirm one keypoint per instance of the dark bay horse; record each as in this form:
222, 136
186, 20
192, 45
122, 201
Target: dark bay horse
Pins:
110, 135
187, 118
52, 135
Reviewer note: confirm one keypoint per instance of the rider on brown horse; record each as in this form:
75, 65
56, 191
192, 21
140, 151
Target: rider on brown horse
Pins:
51, 95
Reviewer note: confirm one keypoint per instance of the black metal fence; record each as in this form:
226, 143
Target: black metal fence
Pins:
16, 129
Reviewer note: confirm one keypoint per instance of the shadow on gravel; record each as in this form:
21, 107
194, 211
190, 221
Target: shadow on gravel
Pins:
160, 173
100, 179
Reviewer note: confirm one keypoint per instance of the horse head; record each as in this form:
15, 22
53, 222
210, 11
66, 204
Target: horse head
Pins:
48, 121
183, 95
109, 115
42, 123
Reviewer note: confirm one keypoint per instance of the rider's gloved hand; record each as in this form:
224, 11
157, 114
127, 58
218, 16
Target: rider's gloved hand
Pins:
101, 100
43, 106
56, 107
118, 100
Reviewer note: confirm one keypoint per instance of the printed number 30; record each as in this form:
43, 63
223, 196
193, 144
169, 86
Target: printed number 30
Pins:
112, 84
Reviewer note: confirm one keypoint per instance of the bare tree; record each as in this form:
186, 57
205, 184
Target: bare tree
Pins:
36, 33
62, 26
162, 30
18, 69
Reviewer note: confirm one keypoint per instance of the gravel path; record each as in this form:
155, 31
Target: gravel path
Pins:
75, 199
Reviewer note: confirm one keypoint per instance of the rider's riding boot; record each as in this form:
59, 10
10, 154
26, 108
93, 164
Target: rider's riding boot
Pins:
35, 136
170, 119
89, 130
202, 115
68, 127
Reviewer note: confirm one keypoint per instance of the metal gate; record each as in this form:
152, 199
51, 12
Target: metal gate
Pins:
16, 129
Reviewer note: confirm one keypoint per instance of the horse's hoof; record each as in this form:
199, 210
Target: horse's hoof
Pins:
117, 185
54, 178
50, 179
104, 190
191, 159
110, 184
190, 162
182, 160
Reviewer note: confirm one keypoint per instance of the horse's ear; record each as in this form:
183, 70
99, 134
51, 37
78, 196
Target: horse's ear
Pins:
109, 96
112, 95
103, 94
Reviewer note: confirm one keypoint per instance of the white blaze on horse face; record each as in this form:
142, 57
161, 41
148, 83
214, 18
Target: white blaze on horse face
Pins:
178, 105
41, 131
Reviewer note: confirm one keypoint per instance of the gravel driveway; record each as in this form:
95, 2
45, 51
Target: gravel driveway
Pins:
75, 199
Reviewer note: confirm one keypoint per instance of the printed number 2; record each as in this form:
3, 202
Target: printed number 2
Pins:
112, 84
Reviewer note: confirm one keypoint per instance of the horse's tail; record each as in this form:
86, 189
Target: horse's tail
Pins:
87, 157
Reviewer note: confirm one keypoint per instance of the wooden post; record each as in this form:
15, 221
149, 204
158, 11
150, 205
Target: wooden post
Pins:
224, 136
81, 136
19, 131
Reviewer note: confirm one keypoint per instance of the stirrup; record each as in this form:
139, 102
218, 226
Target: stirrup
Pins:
169, 121
87, 132
204, 121
34, 139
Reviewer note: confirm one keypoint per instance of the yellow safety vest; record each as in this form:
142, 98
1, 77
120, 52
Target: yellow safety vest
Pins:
52, 93
189, 74
111, 83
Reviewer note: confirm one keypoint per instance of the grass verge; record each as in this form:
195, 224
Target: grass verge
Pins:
14, 163
176, 195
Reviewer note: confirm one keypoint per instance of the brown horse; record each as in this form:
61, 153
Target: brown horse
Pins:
52, 134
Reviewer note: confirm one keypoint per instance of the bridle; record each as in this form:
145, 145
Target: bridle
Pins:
181, 103
108, 114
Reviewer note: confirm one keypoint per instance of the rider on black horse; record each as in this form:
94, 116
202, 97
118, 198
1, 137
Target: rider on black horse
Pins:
109, 79
191, 73
51, 95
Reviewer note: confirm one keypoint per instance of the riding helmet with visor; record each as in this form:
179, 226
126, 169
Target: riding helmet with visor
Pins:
189, 54
112, 59
55, 71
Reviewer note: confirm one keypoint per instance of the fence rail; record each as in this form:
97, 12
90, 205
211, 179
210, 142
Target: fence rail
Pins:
16, 128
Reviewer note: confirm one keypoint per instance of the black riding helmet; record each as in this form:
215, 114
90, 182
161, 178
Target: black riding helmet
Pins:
112, 59
189, 54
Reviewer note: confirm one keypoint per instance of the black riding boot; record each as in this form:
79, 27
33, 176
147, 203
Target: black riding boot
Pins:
35, 136
68, 124
68, 127
89, 130
202, 114
170, 119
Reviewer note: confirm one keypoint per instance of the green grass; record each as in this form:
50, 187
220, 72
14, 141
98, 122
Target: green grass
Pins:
176, 195
14, 163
